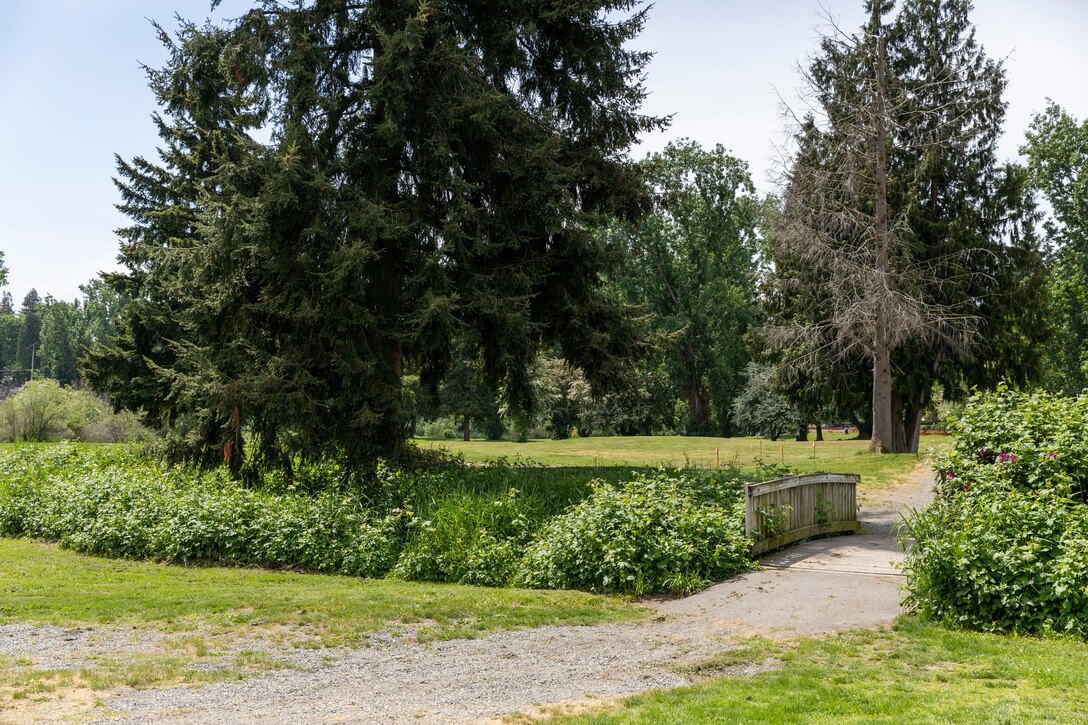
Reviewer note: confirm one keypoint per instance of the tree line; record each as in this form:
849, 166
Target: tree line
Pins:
366, 216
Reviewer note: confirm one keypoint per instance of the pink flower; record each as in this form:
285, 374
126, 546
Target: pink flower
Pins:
951, 476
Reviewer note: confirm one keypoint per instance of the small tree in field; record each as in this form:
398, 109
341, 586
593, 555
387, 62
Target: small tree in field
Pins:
38, 412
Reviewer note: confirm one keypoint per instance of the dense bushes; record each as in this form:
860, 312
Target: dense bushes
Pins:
109, 502
454, 523
651, 534
1005, 545
42, 410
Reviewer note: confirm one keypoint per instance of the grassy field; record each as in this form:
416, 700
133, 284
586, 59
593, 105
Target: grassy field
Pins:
42, 583
837, 454
914, 673
205, 612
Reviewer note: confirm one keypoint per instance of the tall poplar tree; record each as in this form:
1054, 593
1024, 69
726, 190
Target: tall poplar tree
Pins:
1057, 150
434, 170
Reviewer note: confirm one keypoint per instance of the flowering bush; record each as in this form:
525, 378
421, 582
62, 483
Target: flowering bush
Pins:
1004, 547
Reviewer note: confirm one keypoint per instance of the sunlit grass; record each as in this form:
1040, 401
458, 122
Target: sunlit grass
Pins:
42, 583
913, 673
837, 454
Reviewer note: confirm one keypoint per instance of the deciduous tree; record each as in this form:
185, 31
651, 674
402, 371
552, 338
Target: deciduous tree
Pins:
692, 264
1057, 150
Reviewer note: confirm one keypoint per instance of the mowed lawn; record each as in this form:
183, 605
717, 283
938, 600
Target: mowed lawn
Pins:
43, 583
915, 672
837, 454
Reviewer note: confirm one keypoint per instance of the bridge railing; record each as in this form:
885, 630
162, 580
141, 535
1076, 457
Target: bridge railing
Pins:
786, 510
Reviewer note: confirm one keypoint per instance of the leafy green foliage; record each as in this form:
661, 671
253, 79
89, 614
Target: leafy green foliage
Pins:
760, 409
62, 340
659, 532
692, 263
435, 172
42, 410
1057, 151
471, 539
655, 533
110, 502
38, 412
1005, 545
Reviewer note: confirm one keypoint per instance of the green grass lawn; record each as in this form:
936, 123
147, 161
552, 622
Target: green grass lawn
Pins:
913, 673
42, 583
837, 454
203, 610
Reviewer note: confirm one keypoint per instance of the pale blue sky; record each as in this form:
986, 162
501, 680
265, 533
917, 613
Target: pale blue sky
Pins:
72, 94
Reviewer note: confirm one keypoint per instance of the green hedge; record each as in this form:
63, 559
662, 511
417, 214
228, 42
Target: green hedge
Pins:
1004, 547
112, 502
464, 524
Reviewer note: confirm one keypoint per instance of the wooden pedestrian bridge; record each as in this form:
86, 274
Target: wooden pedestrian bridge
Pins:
786, 510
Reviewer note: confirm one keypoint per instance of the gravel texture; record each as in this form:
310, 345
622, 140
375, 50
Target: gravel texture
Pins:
816, 587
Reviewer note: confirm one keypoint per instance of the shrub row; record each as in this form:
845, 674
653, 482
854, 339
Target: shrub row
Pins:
657, 533
1004, 547
115, 504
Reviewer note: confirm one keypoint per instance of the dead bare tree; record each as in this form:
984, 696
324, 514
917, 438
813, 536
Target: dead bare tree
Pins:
840, 241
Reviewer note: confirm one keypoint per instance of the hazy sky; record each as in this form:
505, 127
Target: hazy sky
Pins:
72, 94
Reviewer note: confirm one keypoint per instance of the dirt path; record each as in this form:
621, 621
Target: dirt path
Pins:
816, 587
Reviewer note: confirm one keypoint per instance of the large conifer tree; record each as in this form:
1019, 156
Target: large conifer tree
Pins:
901, 239
433, 171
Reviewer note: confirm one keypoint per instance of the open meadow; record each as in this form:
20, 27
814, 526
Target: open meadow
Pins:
837, 454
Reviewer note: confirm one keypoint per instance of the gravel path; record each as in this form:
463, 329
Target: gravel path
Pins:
816, 587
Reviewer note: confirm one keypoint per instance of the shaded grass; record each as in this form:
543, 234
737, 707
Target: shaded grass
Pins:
915, 672
620, 454
41, 583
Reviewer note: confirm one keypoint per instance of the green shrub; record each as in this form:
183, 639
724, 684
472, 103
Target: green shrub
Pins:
111, 502
1004, 547
656, 533
470, 539
453, 523
42, 410
1029, 442
448, 428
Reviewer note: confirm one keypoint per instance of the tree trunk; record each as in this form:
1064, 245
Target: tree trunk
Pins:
883, 439
802, 432
465, 429
819, 432
883, 435
865, 428
908, 421
232, 449
696, 398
